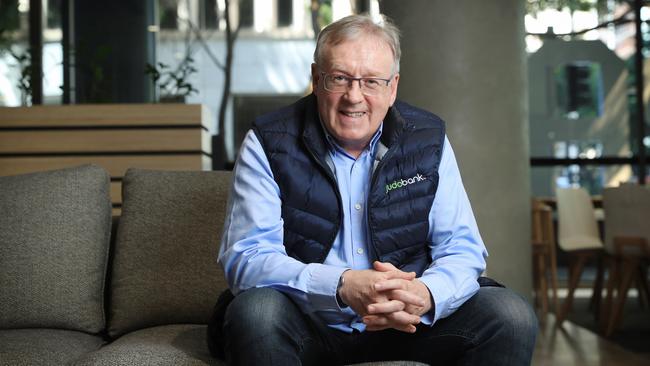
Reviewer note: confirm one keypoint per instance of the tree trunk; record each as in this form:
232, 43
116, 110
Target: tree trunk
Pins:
219, 154
315, 7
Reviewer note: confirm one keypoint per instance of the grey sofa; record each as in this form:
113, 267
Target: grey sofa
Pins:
78, 287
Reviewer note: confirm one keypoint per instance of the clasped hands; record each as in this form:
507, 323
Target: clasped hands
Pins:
386, 297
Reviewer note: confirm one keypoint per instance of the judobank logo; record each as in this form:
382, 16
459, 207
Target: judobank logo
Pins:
405, 182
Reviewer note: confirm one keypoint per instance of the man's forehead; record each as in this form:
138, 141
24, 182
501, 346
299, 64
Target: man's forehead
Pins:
369, 39
333, 58
368, 70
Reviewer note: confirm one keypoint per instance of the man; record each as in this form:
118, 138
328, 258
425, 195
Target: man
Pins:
349, 235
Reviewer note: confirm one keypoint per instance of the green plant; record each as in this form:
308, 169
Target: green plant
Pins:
9, 24
173, 82
24, 64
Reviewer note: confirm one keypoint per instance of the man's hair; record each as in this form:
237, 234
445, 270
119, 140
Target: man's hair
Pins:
355, 26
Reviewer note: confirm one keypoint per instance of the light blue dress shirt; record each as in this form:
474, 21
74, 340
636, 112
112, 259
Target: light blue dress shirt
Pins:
252, 252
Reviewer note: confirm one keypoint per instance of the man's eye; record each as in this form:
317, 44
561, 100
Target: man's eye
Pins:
340, 79
371, 83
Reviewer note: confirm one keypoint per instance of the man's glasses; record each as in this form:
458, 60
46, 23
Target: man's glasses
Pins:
337, 83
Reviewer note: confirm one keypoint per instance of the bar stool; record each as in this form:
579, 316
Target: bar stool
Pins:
544, 257
578, 236
627, 239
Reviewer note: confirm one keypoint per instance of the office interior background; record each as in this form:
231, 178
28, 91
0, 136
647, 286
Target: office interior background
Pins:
537, 95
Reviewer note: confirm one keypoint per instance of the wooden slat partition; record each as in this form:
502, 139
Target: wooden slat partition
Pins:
116, 192
73, 141
115, 165
113, 136
110, 115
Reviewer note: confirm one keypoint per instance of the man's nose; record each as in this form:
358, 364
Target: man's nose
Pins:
354, 93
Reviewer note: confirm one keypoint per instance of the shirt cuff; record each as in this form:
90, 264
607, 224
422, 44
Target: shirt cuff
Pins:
321, 289
426, 319
440, 298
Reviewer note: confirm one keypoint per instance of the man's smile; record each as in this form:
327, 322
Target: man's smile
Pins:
353, 114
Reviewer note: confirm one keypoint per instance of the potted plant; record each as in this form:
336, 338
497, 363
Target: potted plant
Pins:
172, 84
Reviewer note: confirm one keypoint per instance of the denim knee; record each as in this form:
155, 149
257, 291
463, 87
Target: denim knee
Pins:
255, 309
268, 322
514, 318
261, 312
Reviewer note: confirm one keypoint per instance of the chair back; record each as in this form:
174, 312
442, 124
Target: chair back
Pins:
627, 213
577, 225
542, 231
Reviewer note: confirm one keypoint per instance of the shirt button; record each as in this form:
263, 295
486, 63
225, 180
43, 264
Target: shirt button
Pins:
357, 206
360, 251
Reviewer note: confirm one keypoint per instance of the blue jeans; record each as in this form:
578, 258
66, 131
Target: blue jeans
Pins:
264, 327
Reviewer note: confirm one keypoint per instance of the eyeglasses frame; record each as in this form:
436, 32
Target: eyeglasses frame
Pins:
352, 79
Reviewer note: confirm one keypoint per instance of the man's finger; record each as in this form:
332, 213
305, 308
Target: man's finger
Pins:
392, 271
402, 317
389, 267
384, 266
407, 329
406, 297
391, 284
375, 320
408, 276
401, 290
386, 307
400, 320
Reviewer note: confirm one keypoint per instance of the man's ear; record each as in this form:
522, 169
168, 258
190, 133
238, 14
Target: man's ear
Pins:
393, 88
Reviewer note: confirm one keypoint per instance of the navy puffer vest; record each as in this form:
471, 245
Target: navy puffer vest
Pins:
402, 189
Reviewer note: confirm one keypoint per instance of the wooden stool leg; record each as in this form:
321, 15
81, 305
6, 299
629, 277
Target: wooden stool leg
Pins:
629, 267
553, 260
597, 294
543, 288
574, 277
612, 280
642, 286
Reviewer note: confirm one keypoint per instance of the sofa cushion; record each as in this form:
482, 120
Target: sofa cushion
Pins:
54, 241
181, 344
165, 267
44, 346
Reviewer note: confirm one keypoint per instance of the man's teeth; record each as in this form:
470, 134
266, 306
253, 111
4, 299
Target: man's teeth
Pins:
354, 114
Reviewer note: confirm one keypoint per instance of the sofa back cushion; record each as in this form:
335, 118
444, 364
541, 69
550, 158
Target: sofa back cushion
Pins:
165, 267
54, 241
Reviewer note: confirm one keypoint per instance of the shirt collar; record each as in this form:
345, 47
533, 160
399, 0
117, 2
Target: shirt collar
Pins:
336, 148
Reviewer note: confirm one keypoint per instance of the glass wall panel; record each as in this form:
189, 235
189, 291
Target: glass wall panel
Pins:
545, 179
15, 59
52, 53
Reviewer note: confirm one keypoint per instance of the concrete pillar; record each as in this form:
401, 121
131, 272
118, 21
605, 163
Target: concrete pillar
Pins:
465, 60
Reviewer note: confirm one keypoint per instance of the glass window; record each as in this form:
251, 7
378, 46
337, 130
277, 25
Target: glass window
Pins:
581, 103
545, 179
209, 14
579, 89
285, 13
362, 6
168, 13
16, 84
9, 16
53, 14
53, 53
246, 13
14, 57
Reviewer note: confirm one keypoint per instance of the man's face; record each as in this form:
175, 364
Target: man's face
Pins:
352, 117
